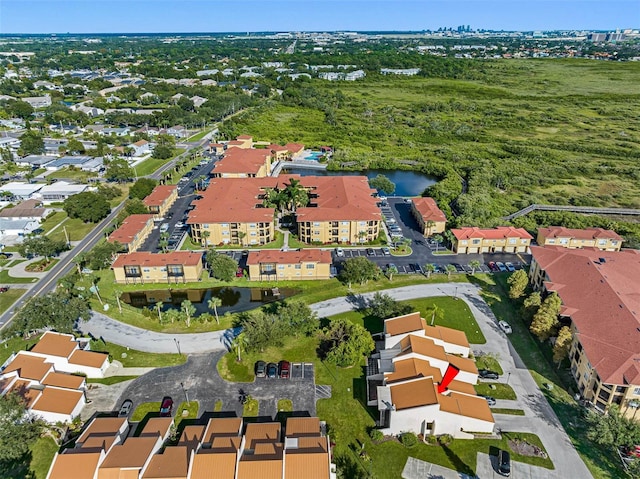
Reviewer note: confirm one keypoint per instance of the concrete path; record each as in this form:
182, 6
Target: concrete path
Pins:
419, 469
117, 369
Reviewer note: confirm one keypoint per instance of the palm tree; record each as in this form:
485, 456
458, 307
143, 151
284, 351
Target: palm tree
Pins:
391, 270
296, 194
241, 236
475, 264
213, 303
118, 293
159, 308
429, 268
438, 239
274, 198
188, 309
163, 243
362, 235
450, 269
205, 237
429, 225
239, 343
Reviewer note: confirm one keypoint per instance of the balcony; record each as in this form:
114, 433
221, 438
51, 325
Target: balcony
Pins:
175, 271
132, 272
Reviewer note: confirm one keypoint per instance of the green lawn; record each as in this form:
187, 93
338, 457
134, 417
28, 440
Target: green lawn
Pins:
76, 229
496, 390
601, 463
135, 358
191, 407
199, 136
76, 175
285, 405
150, 408
5, 278
488, 362
508, 411
149, 166
53, 220
10, 297
42, 453
251, 407
110, 380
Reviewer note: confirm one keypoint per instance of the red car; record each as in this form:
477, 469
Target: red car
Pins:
240, 273
166, 407
284, 367
492, 266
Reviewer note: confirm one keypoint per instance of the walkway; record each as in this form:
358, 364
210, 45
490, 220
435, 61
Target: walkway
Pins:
573, 209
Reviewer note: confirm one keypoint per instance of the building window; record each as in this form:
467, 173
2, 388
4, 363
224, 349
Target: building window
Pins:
311, 266
316, 224
636, 391
513, 240
602, 242
345, 223
551, 241
475, 241
463, 242
252, 225
563, 241
280, 266
298, 266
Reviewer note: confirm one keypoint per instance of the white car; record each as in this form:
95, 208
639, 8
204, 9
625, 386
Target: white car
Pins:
505, 327
339, 252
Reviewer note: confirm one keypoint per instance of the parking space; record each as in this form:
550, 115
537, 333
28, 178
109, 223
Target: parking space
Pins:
487, 469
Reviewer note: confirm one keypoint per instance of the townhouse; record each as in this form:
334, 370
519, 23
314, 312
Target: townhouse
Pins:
431, 220
599, 293
48, 376
161, 199
142, 267
421, 380
600, 238
215, 449
133, 232
501, 239
306, 264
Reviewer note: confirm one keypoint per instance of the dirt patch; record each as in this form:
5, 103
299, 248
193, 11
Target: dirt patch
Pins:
525, 449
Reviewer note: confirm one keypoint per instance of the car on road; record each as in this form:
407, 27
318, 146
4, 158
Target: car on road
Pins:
509, 267
166, 407
506, 327
272, 370
492, 266
504, 463
490, 401
125, 409
339, 252
501, 266
284, 369
370, 252
386, 251
488, 374
164, 227
261, 369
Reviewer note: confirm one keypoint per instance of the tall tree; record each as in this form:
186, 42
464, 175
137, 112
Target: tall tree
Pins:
119, 170
429, 268
213, 303
346, 343
18, 430
562, 345
298, 318
31, 143
530, 305
88, 206
438, 239
359, 270
296, 194
391, 270
42, 246
518, 282
546, 318
450, 269
382, 183
612, 429
142, 188
383, 306
189, 310
222, 267
474, 264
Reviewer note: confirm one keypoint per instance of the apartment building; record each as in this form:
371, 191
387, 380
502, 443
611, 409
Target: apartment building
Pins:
239, 162
422, 381
430, 218
133, 232
216, 449
341, 209
502, 239
171, 268
600, 238
161, 199
599, 293
268, 265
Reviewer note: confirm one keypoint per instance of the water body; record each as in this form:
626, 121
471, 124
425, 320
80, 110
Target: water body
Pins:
408, 183
234, 300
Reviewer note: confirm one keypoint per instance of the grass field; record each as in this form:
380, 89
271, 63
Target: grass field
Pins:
134, 359
76, 175
42, 453
496, 390
149, 165
10, 297
76, 229
7, 279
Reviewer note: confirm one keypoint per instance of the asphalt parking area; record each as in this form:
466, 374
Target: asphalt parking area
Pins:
487, 469
198, 380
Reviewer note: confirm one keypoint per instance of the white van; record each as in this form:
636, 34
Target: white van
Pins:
164, 227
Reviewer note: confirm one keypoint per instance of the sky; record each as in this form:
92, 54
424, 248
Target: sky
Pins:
158, 16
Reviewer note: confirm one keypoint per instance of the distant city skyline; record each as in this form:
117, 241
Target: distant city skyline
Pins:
184, 16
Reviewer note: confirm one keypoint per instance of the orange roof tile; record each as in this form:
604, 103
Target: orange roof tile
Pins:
130, 227
463, 388
464, 405
448, 335
222, 426
289, 257
244, 137
157, 426
159, 195
423, 346
497, 233
102, 427
191, 434
404, 324
226, 443
310, 465
62, 380
213, 465
132, 454
150, 260
600, 290
428, 209
413, 368
56, 400
585, 234
421, 392
261, 432
21, 388
294, 147
302, 426
242, 161
74, 465
264, 466
173, 463
29, 367
55, 344
463, 364
91, 359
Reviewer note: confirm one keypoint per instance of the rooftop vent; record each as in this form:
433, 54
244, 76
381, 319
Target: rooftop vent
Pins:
602, 260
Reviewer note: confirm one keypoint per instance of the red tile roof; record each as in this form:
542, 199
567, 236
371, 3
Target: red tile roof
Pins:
294, 147
242, 161
428, 209
586, 234
274, 147
499, 232
131, 226
244, 137
144, 259
159, 195
599, 289
289, 257
339, 198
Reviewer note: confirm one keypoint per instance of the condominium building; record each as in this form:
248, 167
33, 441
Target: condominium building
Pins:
431, 220
239, 162
599, 293
161, 199
502, 239
133, 232
267, 265
600, 238
422, 381
142, 267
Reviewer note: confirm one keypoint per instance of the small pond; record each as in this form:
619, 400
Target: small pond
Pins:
408, 183
233, 299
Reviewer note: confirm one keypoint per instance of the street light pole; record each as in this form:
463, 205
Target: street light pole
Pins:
508, 377
186, 397
177, 345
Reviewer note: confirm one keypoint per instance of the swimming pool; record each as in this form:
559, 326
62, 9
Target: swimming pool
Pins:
314, 156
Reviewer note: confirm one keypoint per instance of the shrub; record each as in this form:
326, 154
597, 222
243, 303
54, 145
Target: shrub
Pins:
376, 435
445, 439
431, 440
408, 439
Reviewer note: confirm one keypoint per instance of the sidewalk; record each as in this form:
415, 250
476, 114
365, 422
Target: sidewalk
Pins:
117, 369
